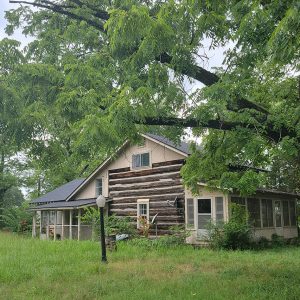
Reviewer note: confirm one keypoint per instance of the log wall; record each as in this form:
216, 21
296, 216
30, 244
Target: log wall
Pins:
159, 184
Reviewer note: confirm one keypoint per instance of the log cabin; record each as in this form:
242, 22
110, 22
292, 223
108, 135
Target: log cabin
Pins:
142, 180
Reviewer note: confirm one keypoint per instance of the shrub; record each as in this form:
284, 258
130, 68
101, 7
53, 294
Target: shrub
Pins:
178, 237
235, 234
277, 240
112, 224
17, 218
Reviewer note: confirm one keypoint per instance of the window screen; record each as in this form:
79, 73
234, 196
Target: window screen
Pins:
267, 212
219, 209
292, 212
277, 209
285, 210
190, 211
253, 206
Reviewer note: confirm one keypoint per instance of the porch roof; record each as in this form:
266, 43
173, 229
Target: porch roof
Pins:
66, 204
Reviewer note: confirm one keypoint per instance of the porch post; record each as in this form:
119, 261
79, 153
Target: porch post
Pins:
62, 224
34, 224
47, 227
41, 218
79, 224
70, 228
55, 222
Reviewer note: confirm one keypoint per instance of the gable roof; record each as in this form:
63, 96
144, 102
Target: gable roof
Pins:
183, 149
61, 193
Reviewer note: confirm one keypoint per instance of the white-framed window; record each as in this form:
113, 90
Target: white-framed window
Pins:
142, 211
190, 212
99, 186
204, 212
140, 160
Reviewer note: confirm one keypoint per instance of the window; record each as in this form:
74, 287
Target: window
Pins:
190, 211
219, 209
140, 160
277, 209
142, 211
99, 187
253, 206
267, 212
204, 213
292, 212
285, 211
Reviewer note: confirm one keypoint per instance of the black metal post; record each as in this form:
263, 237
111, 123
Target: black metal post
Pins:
103, 247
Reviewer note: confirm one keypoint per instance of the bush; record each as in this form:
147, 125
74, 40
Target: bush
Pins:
18, 218
112, 224
233, 235
178, 237
277, 240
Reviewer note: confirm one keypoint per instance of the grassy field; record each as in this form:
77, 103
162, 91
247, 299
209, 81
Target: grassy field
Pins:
34, 269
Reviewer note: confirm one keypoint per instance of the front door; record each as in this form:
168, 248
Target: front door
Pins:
204, 216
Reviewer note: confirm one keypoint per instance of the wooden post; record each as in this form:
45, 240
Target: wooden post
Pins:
47, 227
70, 229
62, 224
79, 224
55, 222
34, 225
41, 219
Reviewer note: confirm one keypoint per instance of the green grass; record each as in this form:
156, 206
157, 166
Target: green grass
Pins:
34, 269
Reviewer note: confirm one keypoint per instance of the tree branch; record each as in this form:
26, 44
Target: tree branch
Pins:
272, 135
60, 10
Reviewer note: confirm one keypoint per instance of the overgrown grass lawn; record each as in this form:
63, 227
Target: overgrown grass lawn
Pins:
34, 269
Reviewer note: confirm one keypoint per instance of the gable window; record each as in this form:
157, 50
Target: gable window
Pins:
140, 160
142, 212
99, 187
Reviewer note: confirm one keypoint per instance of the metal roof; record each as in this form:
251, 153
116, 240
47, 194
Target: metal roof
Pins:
66, 204
61, 193
183, 146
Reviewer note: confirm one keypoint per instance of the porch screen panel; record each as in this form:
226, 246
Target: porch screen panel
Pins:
277, 209
285, 210
253, 206
292, 212
219, 209
190, 211
267, 212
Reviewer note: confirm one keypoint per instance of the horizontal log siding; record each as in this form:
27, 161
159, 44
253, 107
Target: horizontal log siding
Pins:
158, 184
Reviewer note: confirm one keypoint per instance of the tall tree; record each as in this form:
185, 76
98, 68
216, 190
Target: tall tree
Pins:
140, 52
